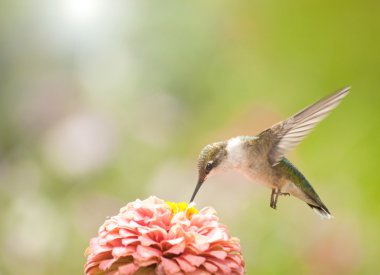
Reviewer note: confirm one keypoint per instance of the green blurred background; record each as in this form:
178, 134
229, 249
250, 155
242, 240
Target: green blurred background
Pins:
103, 102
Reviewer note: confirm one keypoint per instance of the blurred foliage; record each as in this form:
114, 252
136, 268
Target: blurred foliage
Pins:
103, 102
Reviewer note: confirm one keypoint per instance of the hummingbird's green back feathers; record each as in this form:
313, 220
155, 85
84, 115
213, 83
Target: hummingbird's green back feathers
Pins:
307, 192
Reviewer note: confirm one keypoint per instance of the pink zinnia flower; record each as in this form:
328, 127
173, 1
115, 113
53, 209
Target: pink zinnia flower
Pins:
157, 237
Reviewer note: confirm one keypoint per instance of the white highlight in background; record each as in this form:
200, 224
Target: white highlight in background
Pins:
82, 12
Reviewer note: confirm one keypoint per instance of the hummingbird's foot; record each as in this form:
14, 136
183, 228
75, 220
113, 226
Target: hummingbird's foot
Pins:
273, 198
285, 194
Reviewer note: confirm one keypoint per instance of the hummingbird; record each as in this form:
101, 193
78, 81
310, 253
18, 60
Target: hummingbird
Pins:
262, 159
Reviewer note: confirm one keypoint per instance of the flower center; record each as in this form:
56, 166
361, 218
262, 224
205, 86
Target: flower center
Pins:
177, 207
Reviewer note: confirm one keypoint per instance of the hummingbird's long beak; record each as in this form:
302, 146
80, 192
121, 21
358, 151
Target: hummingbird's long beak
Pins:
199, 184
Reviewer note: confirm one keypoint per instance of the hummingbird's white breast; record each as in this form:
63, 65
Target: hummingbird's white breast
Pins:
236, 155
247, 162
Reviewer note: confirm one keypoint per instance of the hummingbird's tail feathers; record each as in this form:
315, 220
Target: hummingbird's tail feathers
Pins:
322, 211
300, 187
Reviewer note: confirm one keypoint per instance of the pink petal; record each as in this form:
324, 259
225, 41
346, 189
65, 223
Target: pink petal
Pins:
170, 266
236, 258
176, 231
195, 260
153, 236
232, 264
175, 241
199, 248
101, 256
221, 265
106, 264
145, 240
145, 256
129, 241
148, 252
218, 254
128, 269
199, 272
92, 268
126, 233
121, 251
185, 265
176, 249
210, 267
216, 235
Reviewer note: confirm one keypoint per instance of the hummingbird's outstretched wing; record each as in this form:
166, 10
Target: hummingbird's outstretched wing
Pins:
286, 134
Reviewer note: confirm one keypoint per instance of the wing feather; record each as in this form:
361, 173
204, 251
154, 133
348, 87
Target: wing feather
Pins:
289, 133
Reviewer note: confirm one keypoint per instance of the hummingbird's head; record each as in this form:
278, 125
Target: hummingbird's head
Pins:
210, 158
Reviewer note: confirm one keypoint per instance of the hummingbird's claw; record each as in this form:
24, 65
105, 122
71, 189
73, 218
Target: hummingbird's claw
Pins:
274, 197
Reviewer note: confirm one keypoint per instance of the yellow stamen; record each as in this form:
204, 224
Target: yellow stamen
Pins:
182, 207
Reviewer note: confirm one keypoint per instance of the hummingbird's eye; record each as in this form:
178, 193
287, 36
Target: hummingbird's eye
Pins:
209, 166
